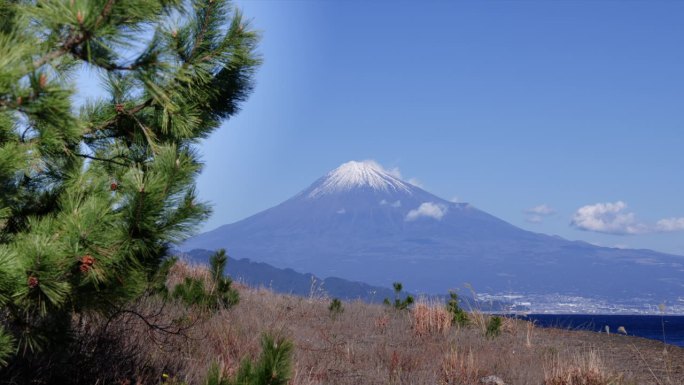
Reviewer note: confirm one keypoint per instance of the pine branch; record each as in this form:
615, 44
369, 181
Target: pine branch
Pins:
106, 11
105, 65
109, 123
24, 133
172, 329
74, 40
199, 39
101, 159
149, 135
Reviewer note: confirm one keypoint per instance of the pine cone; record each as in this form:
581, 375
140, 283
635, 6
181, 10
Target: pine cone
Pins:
32, 282
87, 260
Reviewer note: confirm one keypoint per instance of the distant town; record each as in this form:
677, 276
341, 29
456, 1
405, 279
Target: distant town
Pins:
567, 304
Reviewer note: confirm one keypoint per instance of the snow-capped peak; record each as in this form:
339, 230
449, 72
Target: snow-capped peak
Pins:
355, 174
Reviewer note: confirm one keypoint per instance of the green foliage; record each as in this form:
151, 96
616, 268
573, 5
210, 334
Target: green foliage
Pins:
397, 287
493, 327
335, 307
91, 199
225, 294
192, 290
273, 367
458, 315
399, 304
6, 346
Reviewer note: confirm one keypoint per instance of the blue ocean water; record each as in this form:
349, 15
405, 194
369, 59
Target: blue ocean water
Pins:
667, 328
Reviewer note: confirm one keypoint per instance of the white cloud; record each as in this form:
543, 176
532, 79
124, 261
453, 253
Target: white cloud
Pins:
455, 199
372, 163
542, 209
612, 218
416, 182
393, 204
341, 211
394, 171
670, 224
537, 214
427, 209
608, 218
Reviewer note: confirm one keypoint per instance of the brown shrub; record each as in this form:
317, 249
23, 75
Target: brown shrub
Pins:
459, 368
430, 317
582, 369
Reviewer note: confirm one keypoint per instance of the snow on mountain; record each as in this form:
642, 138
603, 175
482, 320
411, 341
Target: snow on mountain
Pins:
355, 174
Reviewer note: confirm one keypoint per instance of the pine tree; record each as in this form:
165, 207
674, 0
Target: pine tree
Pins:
399, 304
194, 291
458, 315
92, 198
273, 367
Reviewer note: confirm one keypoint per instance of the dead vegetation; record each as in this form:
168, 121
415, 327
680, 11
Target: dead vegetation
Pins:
371, 344
375, 344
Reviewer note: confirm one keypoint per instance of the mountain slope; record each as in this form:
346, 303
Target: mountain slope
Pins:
288, 281
359, 222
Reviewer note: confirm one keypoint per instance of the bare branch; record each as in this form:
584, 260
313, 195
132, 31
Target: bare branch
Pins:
100, 159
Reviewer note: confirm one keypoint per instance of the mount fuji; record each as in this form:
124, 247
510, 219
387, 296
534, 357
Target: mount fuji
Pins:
363, 223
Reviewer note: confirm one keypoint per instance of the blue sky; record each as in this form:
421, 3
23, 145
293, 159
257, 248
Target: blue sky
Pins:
507, 105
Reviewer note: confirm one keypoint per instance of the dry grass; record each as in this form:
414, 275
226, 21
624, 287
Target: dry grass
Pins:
181, 270
375, 344
460, 368
583, 369
372, 344
430, 317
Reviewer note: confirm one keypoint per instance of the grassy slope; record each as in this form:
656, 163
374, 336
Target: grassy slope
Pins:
371, 344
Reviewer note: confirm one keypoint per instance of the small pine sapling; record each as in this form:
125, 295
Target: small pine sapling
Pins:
225, 294
274, 366
493, 327
399, 304
193, 291
335, 308
458, 316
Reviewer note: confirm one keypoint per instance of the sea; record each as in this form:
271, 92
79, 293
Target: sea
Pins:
665, 328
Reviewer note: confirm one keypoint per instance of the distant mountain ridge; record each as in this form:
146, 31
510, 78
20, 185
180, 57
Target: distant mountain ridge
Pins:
288, 281
362, 223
